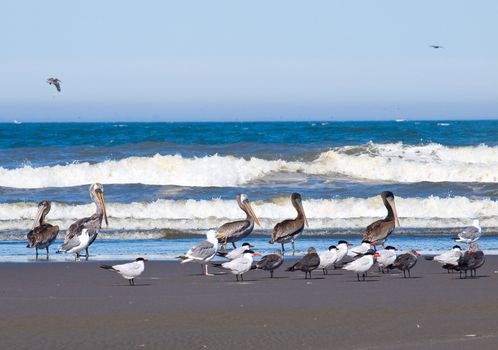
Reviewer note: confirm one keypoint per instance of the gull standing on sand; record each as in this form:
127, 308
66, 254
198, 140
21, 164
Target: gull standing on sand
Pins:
470, 234
362, 264
43, 234
128, 271
270, 262
378, 231
76, 237
308, 263
237, 252
405, 262
471, 260
288, 230
327, 259
386, 257
449, 259
240, 265
203, 252
237, 230
55, 82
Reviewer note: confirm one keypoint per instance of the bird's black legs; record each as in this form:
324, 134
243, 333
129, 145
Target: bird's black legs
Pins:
47, 252
36, 253
404, 273
283, 249
242, 277
324, 271
271, 273
234, 246
409, 274
237, 277
364, 276
86, 250
293, 248
358, 277
131, 282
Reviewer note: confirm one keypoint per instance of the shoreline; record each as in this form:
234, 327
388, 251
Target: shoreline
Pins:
79, 306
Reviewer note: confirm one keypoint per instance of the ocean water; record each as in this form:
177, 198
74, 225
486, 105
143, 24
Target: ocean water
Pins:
167, 183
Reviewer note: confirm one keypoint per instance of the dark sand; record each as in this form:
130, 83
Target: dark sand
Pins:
79, 306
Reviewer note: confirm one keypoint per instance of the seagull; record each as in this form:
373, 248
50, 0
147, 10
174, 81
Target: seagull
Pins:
55, 82
405, 262
237, 252
270, 262
327, 259
308, 263
240, 265
361, 249
387, 256
362, 264
471, 260
436, 46
449, 259
470, 234
203, 252
76, 244
128, 271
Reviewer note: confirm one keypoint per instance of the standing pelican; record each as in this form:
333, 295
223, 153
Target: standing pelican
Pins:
288, 230
89, 226
237, 230
379, 230
43, 234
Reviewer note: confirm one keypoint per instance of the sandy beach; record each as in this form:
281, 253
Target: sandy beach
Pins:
79, 306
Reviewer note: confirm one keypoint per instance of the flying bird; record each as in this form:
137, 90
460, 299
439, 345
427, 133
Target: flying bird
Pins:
436, 46
128, 271
43, 234
55, 82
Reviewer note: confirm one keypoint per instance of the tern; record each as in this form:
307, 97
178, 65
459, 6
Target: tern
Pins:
128, 271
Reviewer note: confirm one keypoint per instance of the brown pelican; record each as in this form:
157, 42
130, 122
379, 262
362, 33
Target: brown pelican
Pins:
237, 230
288, 230
379, 230
43, 234
55, 82
76, 237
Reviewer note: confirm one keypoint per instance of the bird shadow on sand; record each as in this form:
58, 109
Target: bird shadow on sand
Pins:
135, 285
407, 278
456, 278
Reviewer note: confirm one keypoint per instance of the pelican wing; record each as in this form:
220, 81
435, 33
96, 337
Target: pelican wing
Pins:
230, 228
45, 233
286, 228
378, 230
202, 250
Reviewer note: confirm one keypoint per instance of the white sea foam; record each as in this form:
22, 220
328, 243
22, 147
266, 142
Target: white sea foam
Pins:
378, 162
431, 212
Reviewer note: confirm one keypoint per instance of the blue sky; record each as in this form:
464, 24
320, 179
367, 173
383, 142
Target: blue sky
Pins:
248, 60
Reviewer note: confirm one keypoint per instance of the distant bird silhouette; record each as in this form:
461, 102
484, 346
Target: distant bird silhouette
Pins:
436, 46
55, 82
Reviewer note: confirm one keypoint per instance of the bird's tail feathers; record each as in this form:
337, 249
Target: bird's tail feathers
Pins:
107, 267
430, 258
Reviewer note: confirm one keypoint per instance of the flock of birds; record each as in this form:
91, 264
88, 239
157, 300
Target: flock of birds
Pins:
240, 260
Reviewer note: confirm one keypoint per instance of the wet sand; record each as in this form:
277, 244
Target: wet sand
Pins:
80, 306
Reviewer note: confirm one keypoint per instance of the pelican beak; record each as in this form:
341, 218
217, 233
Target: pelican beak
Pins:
220, 236
393, 206
251, 212
304, 214
100, 195
38, 216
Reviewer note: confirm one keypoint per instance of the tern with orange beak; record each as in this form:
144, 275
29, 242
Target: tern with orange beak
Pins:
288, 230
238, 230
89, 226
378, 231
240, 265
362, 264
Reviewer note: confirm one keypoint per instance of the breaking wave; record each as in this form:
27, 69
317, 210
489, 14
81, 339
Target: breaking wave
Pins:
371, 162
323, 214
